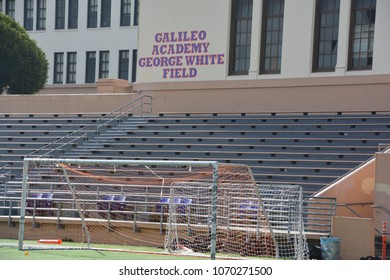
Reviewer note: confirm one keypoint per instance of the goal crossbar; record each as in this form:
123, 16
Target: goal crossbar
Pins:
56, 161
205, 206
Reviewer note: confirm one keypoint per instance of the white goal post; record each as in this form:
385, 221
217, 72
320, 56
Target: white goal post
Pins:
53, 161
195, 206
252, 220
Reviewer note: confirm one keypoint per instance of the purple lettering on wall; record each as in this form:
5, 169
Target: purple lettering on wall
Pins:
180, 54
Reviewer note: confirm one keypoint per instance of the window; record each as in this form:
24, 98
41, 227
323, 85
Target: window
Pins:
105, 19
10, 8
272, 36
71, 67
58, 68
104, 60
240, 37
326, 35
29, 14
134, 66
92, 13
362, 34
136, 12
73, 14
123, 72
60, 14
41, 14
90, 67
125, 12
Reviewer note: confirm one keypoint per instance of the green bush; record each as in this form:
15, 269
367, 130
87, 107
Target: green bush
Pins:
23, 65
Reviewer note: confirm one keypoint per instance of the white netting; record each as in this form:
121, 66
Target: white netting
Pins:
252, 220
96, 203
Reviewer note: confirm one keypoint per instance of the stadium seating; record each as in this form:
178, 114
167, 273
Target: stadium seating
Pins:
311, 150
37, 201
21, 135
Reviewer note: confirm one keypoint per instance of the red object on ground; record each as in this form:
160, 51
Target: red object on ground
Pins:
50, 241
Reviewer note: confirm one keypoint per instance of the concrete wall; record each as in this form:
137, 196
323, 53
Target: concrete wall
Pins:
321, 94
354, 192
382, 191
62, 103
356, 237
371, 184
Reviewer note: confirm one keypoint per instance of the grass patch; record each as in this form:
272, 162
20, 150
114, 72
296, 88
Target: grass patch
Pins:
9, 251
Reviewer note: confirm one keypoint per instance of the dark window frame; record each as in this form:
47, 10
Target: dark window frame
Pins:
28, 21
60, 15
58, 75
73, 14
125, 18
92, 13
104, 64
371, 13
321, 36
105, 13
41, 15
90, 67
124, 62
272, 27
134, 66
10, 8
240, 53
136, 13
71, 70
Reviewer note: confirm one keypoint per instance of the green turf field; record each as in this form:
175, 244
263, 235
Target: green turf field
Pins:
9, 251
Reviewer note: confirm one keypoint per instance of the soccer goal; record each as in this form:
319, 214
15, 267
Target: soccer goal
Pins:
253, 220
182, 206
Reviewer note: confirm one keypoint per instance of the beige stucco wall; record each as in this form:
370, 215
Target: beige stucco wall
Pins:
354, 192
63, 103
356, 239
371, 182
331, 94
382, 191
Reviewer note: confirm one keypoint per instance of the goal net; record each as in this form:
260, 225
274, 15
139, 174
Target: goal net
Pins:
253, 220
184, 206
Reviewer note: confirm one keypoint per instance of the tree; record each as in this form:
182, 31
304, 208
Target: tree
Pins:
23, 65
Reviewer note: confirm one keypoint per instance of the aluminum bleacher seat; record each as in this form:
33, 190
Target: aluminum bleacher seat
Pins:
300, 148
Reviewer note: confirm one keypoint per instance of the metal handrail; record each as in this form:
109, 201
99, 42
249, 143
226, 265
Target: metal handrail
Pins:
60, 140
318, 213
3, 167
82, 130
118, 114
385, 150
322, 229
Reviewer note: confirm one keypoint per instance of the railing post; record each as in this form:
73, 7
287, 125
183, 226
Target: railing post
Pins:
59, 225
135, 218
109, 216
10, 223
384, 241
214, 210
34, 224
161, 218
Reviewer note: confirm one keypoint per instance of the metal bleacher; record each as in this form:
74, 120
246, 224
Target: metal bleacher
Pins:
21, 135
311, 150
307, 149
